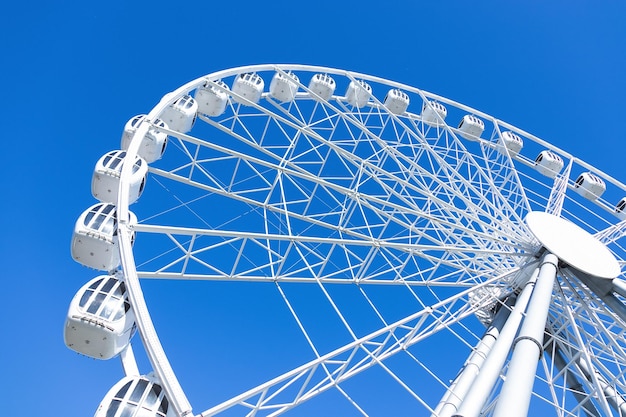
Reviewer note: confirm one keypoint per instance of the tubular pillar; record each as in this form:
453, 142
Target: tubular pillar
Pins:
517, 388
460, 386
490, 371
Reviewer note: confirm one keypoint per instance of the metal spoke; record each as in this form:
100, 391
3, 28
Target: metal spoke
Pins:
412, 220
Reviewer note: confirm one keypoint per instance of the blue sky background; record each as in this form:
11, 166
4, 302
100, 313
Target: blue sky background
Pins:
74, 72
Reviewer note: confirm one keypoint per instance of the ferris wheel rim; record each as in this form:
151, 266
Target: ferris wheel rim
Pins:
172, 96
126, 229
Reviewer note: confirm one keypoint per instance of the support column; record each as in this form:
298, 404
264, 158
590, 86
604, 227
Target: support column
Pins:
517, 389
482, 386
460, 386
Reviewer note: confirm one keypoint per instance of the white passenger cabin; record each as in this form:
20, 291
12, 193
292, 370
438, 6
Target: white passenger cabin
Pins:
248, 87
548, 163
136, 396
589, 185
153, 143
471, 127
100, 322
620, 209
284, 86
105, 181
433, 113
358, 93
94, 241
181, 114
212, 99
396, 101
322, 85
512, 142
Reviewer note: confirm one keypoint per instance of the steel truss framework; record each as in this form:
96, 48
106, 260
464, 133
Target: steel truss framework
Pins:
425, 226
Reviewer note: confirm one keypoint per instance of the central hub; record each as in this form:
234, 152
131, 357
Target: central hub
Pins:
573, 245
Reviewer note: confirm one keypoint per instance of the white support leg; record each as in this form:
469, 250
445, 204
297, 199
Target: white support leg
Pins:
517, 389
451, 400
480, 390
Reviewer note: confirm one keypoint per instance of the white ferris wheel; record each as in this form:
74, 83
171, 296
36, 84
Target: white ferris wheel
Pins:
436, 260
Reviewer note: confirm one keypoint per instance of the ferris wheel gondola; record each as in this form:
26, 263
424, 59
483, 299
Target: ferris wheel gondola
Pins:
411, 224
100, 322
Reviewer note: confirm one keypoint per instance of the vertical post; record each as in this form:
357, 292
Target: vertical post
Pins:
482, 386
460, 386
517, 388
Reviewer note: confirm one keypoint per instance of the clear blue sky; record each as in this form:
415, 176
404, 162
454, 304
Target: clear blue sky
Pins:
74, 72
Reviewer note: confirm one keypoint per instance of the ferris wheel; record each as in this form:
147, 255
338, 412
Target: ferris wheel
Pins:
435, 260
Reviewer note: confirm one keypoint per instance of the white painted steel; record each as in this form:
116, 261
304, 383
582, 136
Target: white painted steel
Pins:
518, 384
491, 369
425, 230
459, 388
129, 363
573, 245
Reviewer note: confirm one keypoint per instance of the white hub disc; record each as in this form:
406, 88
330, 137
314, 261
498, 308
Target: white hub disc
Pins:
573, 245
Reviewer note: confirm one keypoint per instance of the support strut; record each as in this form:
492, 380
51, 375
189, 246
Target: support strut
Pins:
517, 388
484, 382
460, 386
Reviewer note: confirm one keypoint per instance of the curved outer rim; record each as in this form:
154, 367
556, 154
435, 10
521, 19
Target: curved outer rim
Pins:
151, 342
169, 98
